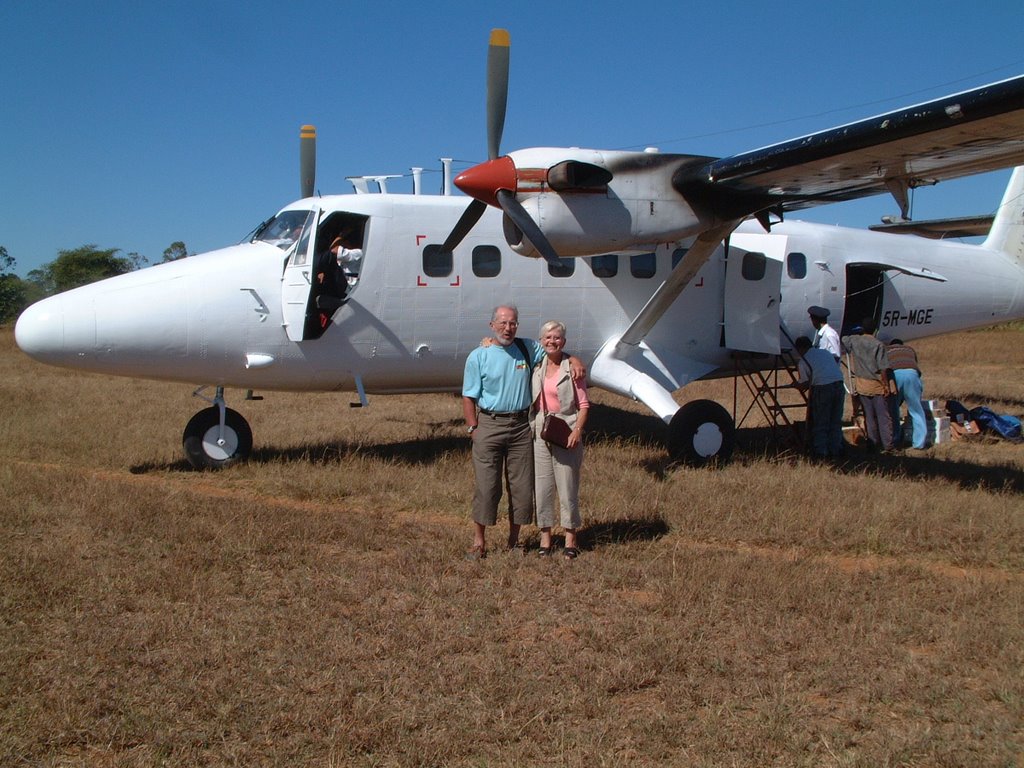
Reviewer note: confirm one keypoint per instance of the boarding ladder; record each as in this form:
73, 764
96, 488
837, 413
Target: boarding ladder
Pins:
770, 382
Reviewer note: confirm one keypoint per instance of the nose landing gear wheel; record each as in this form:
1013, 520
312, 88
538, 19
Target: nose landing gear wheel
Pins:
206, 447
701, 432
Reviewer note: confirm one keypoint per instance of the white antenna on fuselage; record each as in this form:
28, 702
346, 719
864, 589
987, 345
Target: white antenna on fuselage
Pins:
446, 184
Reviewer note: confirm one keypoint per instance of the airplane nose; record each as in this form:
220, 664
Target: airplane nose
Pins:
39, 331
483, 181
57, 330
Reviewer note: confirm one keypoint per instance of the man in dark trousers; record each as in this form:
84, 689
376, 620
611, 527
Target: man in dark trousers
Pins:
820, 372
871, 381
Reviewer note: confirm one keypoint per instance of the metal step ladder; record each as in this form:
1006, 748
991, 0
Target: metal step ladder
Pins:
770, 381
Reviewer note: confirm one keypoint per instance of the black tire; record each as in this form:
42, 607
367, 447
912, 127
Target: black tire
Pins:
701, 432
200, 439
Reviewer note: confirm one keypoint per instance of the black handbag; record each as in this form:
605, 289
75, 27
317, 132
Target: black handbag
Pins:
555, 430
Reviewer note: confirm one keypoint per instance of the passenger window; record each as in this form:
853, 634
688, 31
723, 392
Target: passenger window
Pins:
605, 266
677, 256
486, 261
755, 265
562, 268
643, 265
796, 266
437, 262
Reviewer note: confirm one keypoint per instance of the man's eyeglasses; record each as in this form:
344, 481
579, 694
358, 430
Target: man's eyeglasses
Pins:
507, 323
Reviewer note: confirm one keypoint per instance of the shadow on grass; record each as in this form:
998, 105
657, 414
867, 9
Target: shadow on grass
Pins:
923, 467
907, 464
620, 532
413, 452
156, 466
607, 424
590, 537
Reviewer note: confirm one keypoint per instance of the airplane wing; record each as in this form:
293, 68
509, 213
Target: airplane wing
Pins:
969, 132
939, 229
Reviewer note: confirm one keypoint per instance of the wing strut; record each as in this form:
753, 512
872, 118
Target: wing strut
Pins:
681, 276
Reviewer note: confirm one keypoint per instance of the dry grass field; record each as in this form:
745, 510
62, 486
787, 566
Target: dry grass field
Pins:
312, 607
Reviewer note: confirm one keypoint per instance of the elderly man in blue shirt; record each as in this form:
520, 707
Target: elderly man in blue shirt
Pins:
496, 401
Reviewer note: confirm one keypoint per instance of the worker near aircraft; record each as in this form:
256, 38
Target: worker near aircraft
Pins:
909, 389
871, 382
825, 336
819, 372
348, 255
557, 467
496, 401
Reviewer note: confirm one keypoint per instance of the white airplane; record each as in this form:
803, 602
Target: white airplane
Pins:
662, 266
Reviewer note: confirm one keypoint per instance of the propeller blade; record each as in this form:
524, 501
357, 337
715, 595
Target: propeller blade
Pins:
493, 174
469, 218
307, 160
497, 89
515, 211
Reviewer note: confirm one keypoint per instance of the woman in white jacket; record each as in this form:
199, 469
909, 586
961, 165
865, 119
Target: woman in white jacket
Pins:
557, 468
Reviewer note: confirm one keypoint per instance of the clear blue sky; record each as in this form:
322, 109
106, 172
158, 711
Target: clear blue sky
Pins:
134, 124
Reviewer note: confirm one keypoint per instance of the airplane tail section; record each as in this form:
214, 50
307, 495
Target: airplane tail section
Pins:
1007, 233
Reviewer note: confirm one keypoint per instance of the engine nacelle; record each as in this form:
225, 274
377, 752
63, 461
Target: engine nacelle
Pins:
589, 202
587, 224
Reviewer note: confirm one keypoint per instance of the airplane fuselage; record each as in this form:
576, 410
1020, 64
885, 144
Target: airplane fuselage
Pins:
413, 317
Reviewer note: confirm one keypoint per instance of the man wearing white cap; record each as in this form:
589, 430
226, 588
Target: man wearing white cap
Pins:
825, 336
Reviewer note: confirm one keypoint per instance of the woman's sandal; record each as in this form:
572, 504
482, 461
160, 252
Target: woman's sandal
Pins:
544, 551
571, 553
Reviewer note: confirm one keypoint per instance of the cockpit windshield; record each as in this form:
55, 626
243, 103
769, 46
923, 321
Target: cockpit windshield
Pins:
284, 229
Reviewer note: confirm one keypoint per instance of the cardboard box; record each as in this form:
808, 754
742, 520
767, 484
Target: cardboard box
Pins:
939, 430
964, 431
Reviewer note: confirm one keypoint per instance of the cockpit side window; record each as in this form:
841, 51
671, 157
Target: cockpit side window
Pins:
285, 228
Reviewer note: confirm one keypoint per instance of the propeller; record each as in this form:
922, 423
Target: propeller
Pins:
498, 52
495, 182
307, 160
518, 215
466, 222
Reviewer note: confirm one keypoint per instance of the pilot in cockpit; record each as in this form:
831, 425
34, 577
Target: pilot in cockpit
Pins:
337, 270
348, 254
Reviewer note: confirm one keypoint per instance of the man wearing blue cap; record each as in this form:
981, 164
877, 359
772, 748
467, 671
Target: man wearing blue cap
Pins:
825, 336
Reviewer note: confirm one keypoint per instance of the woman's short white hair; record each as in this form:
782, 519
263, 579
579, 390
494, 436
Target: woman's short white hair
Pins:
552, 325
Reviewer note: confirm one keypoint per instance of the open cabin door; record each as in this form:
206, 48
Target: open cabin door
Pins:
753, 292
867, 294
297, 280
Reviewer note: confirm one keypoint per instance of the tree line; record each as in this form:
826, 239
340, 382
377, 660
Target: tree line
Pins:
71, 268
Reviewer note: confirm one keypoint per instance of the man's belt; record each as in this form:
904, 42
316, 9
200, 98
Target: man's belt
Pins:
505, 415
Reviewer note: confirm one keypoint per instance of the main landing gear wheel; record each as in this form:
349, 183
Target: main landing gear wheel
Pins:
206, 447
701, 432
